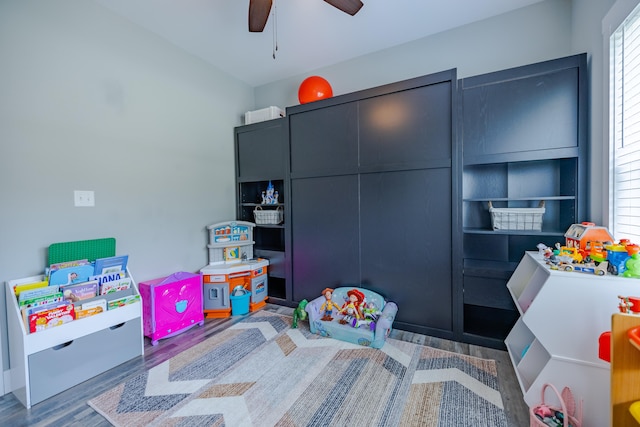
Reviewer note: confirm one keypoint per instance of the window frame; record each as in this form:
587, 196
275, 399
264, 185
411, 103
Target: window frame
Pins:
610, 23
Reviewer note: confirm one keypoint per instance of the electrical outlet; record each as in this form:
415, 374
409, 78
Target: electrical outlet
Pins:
84, 198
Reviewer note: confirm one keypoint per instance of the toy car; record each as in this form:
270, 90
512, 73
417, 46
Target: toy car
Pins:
590, 268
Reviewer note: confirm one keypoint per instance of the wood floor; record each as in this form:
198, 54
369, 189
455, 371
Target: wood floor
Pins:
70, 407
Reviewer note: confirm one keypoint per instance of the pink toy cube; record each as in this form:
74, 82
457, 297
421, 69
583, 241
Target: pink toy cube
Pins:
171, 305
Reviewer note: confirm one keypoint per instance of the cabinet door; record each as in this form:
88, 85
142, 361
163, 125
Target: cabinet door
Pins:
324, 229
522, 110
406, 243
324, 141
411, 128
260, 150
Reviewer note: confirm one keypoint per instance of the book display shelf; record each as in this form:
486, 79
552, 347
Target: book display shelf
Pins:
50, 361
555, 340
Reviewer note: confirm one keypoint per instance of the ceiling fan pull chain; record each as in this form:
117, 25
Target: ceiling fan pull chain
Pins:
275, 29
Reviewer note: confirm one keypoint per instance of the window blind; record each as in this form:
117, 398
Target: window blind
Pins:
624, 128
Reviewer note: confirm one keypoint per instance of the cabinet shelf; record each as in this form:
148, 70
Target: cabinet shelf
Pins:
253, 205
509, 199
262, 157
557, 233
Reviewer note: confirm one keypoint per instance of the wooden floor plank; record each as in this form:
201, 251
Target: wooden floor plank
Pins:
70, 408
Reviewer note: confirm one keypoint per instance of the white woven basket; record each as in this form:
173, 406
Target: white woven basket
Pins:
268, 216
517, 218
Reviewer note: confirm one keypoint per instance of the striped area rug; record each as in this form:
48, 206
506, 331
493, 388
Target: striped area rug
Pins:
260, 372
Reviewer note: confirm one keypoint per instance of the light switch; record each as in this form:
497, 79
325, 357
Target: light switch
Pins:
83, 198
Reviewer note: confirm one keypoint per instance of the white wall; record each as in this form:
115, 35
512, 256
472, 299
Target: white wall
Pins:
587, 37
90, 102
531, 34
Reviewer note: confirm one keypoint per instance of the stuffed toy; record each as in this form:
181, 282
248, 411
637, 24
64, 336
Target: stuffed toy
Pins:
299, 313
328, 306
351, 309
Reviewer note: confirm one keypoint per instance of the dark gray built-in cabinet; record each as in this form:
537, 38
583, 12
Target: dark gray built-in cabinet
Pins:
389, 188
372, 197
523, 135
262, 157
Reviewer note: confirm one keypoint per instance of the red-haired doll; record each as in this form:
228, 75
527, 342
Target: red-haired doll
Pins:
352, 308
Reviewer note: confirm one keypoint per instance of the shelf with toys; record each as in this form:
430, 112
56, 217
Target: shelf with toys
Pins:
555, 340
263, 203
44, 355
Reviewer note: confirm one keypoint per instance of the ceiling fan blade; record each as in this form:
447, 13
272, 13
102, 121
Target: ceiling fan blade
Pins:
258, 14
347, 6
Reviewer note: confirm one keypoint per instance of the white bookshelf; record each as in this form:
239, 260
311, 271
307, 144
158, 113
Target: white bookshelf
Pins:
50, 361
562, 315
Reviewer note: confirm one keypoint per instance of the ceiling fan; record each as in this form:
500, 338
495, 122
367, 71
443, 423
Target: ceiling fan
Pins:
259, 11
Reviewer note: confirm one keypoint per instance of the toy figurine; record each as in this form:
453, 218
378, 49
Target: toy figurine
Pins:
632, 264
625, 305
299, 313
351, 308
370, 314
328, 306
270, 197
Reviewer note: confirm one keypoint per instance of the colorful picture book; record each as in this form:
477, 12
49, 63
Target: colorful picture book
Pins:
108, 277
91, 308
67, 264
80, 291
115, 286
111, 264
40, 296
18, 289
71, 275
46, 319
120, 302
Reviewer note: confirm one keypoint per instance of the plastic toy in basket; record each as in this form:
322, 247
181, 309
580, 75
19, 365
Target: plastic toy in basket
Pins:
565, 415
268, 216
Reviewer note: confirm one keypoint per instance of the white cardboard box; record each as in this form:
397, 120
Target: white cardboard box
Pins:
263, 114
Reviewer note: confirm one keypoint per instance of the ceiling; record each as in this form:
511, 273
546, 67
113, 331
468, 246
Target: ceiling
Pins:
310, 34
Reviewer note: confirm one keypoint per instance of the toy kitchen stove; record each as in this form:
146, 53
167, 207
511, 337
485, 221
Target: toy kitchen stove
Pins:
231, 265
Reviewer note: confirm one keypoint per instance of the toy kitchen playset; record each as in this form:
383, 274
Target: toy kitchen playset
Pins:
232, 270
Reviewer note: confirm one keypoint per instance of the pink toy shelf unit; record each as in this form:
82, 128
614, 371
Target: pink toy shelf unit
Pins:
171, 305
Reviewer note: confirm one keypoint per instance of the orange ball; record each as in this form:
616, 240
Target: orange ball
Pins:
314, 88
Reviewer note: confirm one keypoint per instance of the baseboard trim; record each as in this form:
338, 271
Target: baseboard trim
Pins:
6, 377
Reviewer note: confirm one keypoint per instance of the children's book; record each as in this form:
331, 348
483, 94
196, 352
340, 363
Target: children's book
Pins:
115, 286
71, 275
120, 302
18, 289
53, 317
91, 308
25, 312
108, 277
95, 303
111, 264
42, 300
66, 264
81, 291
36, 293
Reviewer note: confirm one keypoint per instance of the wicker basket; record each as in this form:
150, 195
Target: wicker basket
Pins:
270, 216
517, 218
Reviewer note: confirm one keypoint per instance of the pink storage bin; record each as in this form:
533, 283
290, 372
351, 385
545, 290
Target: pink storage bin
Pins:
171, 305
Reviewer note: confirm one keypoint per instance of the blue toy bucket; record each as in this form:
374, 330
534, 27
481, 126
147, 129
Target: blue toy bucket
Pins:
240, 302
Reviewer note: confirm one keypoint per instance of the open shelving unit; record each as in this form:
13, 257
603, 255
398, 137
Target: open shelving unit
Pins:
523, 134
555, 340
261, 157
